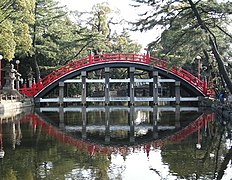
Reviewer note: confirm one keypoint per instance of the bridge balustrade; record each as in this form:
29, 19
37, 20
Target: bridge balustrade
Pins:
83, 144
111, 58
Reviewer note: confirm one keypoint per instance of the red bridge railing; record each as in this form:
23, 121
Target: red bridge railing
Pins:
104, 58
38, 123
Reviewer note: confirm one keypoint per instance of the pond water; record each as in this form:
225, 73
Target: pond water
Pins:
115, 143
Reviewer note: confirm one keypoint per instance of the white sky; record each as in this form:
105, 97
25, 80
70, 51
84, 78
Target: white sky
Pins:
126, 11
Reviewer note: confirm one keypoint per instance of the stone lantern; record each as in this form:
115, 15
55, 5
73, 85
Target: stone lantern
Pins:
10, 77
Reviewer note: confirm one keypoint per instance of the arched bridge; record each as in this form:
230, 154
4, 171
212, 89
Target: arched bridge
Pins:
87, 145
69, 72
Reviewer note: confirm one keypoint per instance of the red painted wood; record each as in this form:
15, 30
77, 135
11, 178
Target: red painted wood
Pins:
103, 58
200, 122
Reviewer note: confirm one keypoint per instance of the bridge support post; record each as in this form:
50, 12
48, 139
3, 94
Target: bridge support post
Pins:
61, 117
83, 85
177, 116
107, 85
84, 122
177, 92
61, 93
132, 89
132, 124
155, 88
107, 124
154, 119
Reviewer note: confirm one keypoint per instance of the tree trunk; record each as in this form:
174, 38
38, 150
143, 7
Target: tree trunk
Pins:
34, 63
35, 68
222, 69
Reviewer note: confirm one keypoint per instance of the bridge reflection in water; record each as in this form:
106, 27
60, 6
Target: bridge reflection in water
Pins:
119, 129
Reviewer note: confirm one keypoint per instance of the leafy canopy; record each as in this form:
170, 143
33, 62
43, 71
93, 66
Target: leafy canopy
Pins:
15, 20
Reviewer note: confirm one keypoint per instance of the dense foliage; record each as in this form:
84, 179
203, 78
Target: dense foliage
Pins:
44, 35
16, 18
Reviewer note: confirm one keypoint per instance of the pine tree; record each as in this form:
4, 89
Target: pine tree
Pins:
15, 20
190, 29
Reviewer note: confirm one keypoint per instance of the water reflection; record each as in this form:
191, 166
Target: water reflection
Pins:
11, 119
131, 126
110, 143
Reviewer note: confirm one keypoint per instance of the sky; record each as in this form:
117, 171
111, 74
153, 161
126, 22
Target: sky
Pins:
126, 11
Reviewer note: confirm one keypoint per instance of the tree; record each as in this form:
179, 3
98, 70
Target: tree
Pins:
15, 19
58, 39
102, 22
47, 15
122, 43
191, 28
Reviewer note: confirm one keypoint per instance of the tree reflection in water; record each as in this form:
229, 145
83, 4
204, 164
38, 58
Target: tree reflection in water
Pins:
111, 143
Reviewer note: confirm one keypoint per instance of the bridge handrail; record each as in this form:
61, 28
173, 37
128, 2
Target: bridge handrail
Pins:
37, 121
190, 78
104, 58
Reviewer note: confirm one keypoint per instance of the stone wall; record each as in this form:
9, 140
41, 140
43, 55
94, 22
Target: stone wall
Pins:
8, 103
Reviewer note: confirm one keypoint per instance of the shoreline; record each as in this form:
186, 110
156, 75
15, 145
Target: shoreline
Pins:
224, 110
11, 104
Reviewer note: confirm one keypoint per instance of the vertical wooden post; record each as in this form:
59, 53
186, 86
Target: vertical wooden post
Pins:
177, 116
155, 88
205, 86
177, 92
90, 57
148, 57
83, 85
132, 89
155, 124
61, 93
107, 124
84, 135
107, 85
61, 117
132, 124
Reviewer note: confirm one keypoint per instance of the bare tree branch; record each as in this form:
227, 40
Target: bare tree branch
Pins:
224, 31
